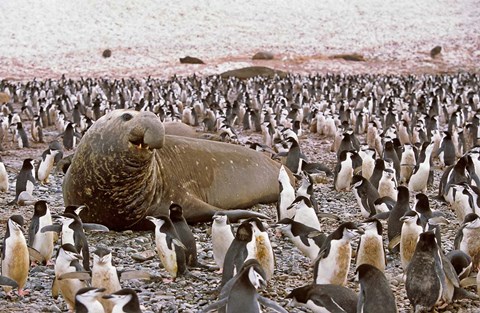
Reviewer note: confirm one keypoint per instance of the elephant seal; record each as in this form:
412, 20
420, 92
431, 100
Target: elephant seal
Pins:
126, 168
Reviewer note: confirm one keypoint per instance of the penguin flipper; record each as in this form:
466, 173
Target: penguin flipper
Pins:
271, 304
460, 293
54, 227
394, 242
35, 255
76, 275
327, 302
95, 227
7, 281
134, 274
216, 305
382, 215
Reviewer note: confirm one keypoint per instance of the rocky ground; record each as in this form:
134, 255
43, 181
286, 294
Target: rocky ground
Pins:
187, 294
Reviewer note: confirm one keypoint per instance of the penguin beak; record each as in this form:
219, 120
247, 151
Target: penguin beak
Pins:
107, 297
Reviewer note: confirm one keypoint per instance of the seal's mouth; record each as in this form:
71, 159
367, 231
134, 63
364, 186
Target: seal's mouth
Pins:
140, 144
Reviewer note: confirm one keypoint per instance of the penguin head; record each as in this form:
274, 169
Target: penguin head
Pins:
220, 218
372, 225
471, 221
422, 203
299, 295
69, 252
102, 256
256, 274
74, 209
28, 164
357, 181
40, 208
176, 212
410, 217
89, 294
388, 173
350, 230
15, 223
124, 298
244, 232
427, 241
157, 221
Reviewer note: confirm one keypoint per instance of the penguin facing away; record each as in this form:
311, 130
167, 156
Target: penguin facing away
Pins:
184, 234
25, 179
15, 256
375, 294
365, 194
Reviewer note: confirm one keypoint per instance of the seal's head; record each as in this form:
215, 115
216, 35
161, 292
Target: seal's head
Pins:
113, 158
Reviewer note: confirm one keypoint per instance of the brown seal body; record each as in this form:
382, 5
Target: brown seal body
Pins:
126, 168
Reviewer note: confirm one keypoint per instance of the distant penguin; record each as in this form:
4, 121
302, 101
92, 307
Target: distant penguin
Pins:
67, 261
368, 161
124, 301
241, 249
222, 237
15, 255
394, 228
25, 179
407, 163
365, 194
306, 190
411, 230
462, 263
87, 300
334, 259
344, 171
390, 153
421, 171
387, 186
70, 136
4, 184
169, 246
464, 199
42, 242
36, 129
46, 165
446, 152
286, 195
467, 238
240, 293
375, 293
370, 248
377, 172
55, 145
184, 233
384, 205
22, 137
303, 237
104, 274
324, 298
430, 277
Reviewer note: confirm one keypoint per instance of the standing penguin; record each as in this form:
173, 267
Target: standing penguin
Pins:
222, 237
407, 163
169, 246
365, 194
334, 259
240, 293
25, 179
87, 300
15, 256
394, 228
184, 234
104, 274
22, 136
411, 230
375, 293
431, 278
286, 195
446, 152
70, 136
4, 184
304, 212
370, 247
46, 165
390, 153
421, 171
387, 186
67, 261
263, 247
241, 249
344, 170
467, 238
124, 301
325, 298
38, 240
36, 129
462, 263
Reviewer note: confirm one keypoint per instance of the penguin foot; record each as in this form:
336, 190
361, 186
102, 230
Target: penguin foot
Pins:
23, 292
220, 271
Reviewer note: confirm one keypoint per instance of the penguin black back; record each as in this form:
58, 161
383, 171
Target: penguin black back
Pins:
184, 233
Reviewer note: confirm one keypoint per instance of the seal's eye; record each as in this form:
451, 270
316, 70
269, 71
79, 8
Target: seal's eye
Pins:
127, 116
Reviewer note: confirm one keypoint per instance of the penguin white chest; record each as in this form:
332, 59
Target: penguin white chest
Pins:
167, 255
222, 237
16, 262
418, 181
334, 268
344, 176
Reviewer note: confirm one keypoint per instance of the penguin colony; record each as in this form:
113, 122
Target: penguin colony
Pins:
389, 135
